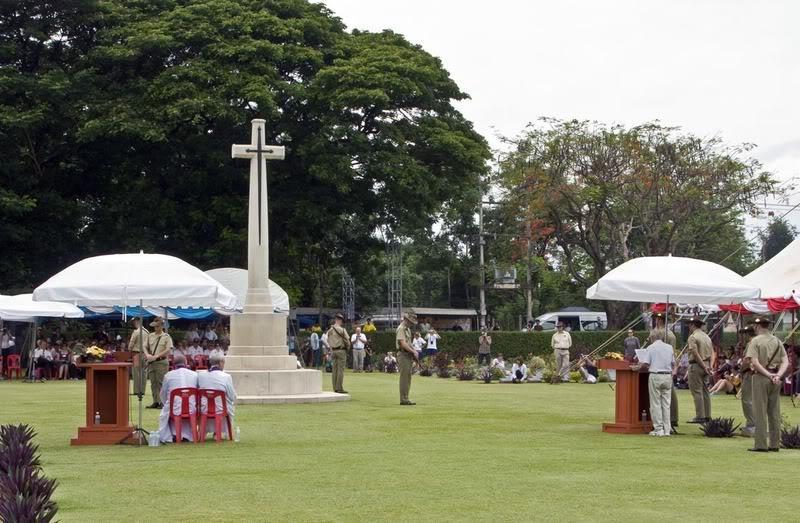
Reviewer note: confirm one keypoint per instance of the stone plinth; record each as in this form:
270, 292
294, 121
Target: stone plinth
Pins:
261, 369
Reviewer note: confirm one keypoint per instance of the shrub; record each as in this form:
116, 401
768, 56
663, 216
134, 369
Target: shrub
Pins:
426, 369
602, 376
486, 374
443, 372
24, 491
575, 376
497, 373
536, 363
465, 373
719, 428
790, 437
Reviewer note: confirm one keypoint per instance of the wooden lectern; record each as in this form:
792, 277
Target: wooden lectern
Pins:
106, 393
633, 397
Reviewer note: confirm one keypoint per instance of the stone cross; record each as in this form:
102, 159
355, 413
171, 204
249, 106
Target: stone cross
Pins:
258, 297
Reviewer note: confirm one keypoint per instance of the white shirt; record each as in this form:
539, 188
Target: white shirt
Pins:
418, 344
389, 359
6, 341
324, 340
561, 340
192, 336
175, 379
218, 380
210, 335
660, 357
38, 353
523, 368
314, 340
358, 340
432, 340
500, 364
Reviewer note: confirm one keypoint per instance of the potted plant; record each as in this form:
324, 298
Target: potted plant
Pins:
536, 368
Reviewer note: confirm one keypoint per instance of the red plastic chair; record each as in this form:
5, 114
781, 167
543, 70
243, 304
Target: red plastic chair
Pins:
211, 396
12, 364
200, 362
184, 393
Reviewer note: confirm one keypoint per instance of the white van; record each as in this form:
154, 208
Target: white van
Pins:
576, 318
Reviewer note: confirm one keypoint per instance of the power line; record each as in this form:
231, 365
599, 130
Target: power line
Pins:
762, 229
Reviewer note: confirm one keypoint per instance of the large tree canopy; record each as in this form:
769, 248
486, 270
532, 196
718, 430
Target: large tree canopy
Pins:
116, 120
614, 193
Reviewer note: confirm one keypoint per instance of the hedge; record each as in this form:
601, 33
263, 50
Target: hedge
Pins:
511, 344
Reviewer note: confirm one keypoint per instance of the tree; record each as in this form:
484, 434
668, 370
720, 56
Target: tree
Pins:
128, 110
614, 193
776, 237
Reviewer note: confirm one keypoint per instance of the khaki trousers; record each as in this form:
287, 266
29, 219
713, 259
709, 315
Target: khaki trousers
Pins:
562, 363
155, 373
660, 387
747, 399
404, 362
139, 378
339, 363
358, 359
697, 386
767, 412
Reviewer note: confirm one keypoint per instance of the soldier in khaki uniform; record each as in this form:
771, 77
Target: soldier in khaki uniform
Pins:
139, 334
406, 355
660, 333
749, 429
339, 342
159, 343
768, 359
700, 350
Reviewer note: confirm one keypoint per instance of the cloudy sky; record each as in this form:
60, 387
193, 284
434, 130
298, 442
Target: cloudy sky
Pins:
713, 67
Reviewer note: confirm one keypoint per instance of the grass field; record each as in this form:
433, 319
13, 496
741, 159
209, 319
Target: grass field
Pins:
467, 451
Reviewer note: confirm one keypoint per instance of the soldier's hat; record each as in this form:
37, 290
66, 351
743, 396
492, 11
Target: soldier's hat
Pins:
410, 317
157, 321
762, 321
697, 320
659, 315
340, 316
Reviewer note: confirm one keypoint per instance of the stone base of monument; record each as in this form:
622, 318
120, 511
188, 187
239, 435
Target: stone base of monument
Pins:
262, 370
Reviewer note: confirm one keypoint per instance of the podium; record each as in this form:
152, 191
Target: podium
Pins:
632, 397
107, 393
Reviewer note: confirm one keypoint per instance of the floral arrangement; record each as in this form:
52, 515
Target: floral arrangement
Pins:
95, 353
614, 356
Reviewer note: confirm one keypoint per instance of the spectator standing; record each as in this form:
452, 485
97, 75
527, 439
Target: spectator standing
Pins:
561, 343
537, 326
433, 343
316, 352
484, 348
419, 344
359, 343
209, 333
370, 328
7, 341
631, 344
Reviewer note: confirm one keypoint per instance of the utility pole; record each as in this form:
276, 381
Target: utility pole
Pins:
483, 275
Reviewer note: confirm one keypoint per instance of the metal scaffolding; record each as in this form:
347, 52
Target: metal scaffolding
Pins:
348, 296
394, 282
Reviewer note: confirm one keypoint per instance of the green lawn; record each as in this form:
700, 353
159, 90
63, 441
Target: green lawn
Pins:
467, 451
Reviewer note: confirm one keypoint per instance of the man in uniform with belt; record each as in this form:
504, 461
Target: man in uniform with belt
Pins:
138, 336
339, 342
159, 343
749, 429
699, 349
659, 362
660, 333
406, 355
561, 343
767, 357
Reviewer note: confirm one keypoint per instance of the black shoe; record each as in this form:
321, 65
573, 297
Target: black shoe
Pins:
697, 420
407, 403
773, 449
759, 450
340, 391
153, 406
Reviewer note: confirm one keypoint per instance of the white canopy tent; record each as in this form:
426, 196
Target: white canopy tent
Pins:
21, 307
779, 277
673, 279
236, 281
148, 280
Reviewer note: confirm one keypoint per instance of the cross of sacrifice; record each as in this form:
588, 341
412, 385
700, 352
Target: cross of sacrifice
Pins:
258, 154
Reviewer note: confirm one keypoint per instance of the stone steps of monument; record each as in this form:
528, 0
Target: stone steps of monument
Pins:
321, 397
239, 362
276, 382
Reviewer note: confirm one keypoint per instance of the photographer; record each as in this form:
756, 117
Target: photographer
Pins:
484, 348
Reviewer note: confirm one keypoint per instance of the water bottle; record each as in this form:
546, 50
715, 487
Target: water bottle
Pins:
237, 434
644, 417
97, 418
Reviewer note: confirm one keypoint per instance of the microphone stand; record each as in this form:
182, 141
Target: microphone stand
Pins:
138, 430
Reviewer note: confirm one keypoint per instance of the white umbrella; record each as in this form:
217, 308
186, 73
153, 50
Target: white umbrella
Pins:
150, 280
22, 308
676, 279
236, 281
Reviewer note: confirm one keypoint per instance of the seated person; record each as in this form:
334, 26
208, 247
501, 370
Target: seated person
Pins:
588, 368
390, 363
519, 371
216, 378
43, 359
499, 363
181, 377
729, 384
